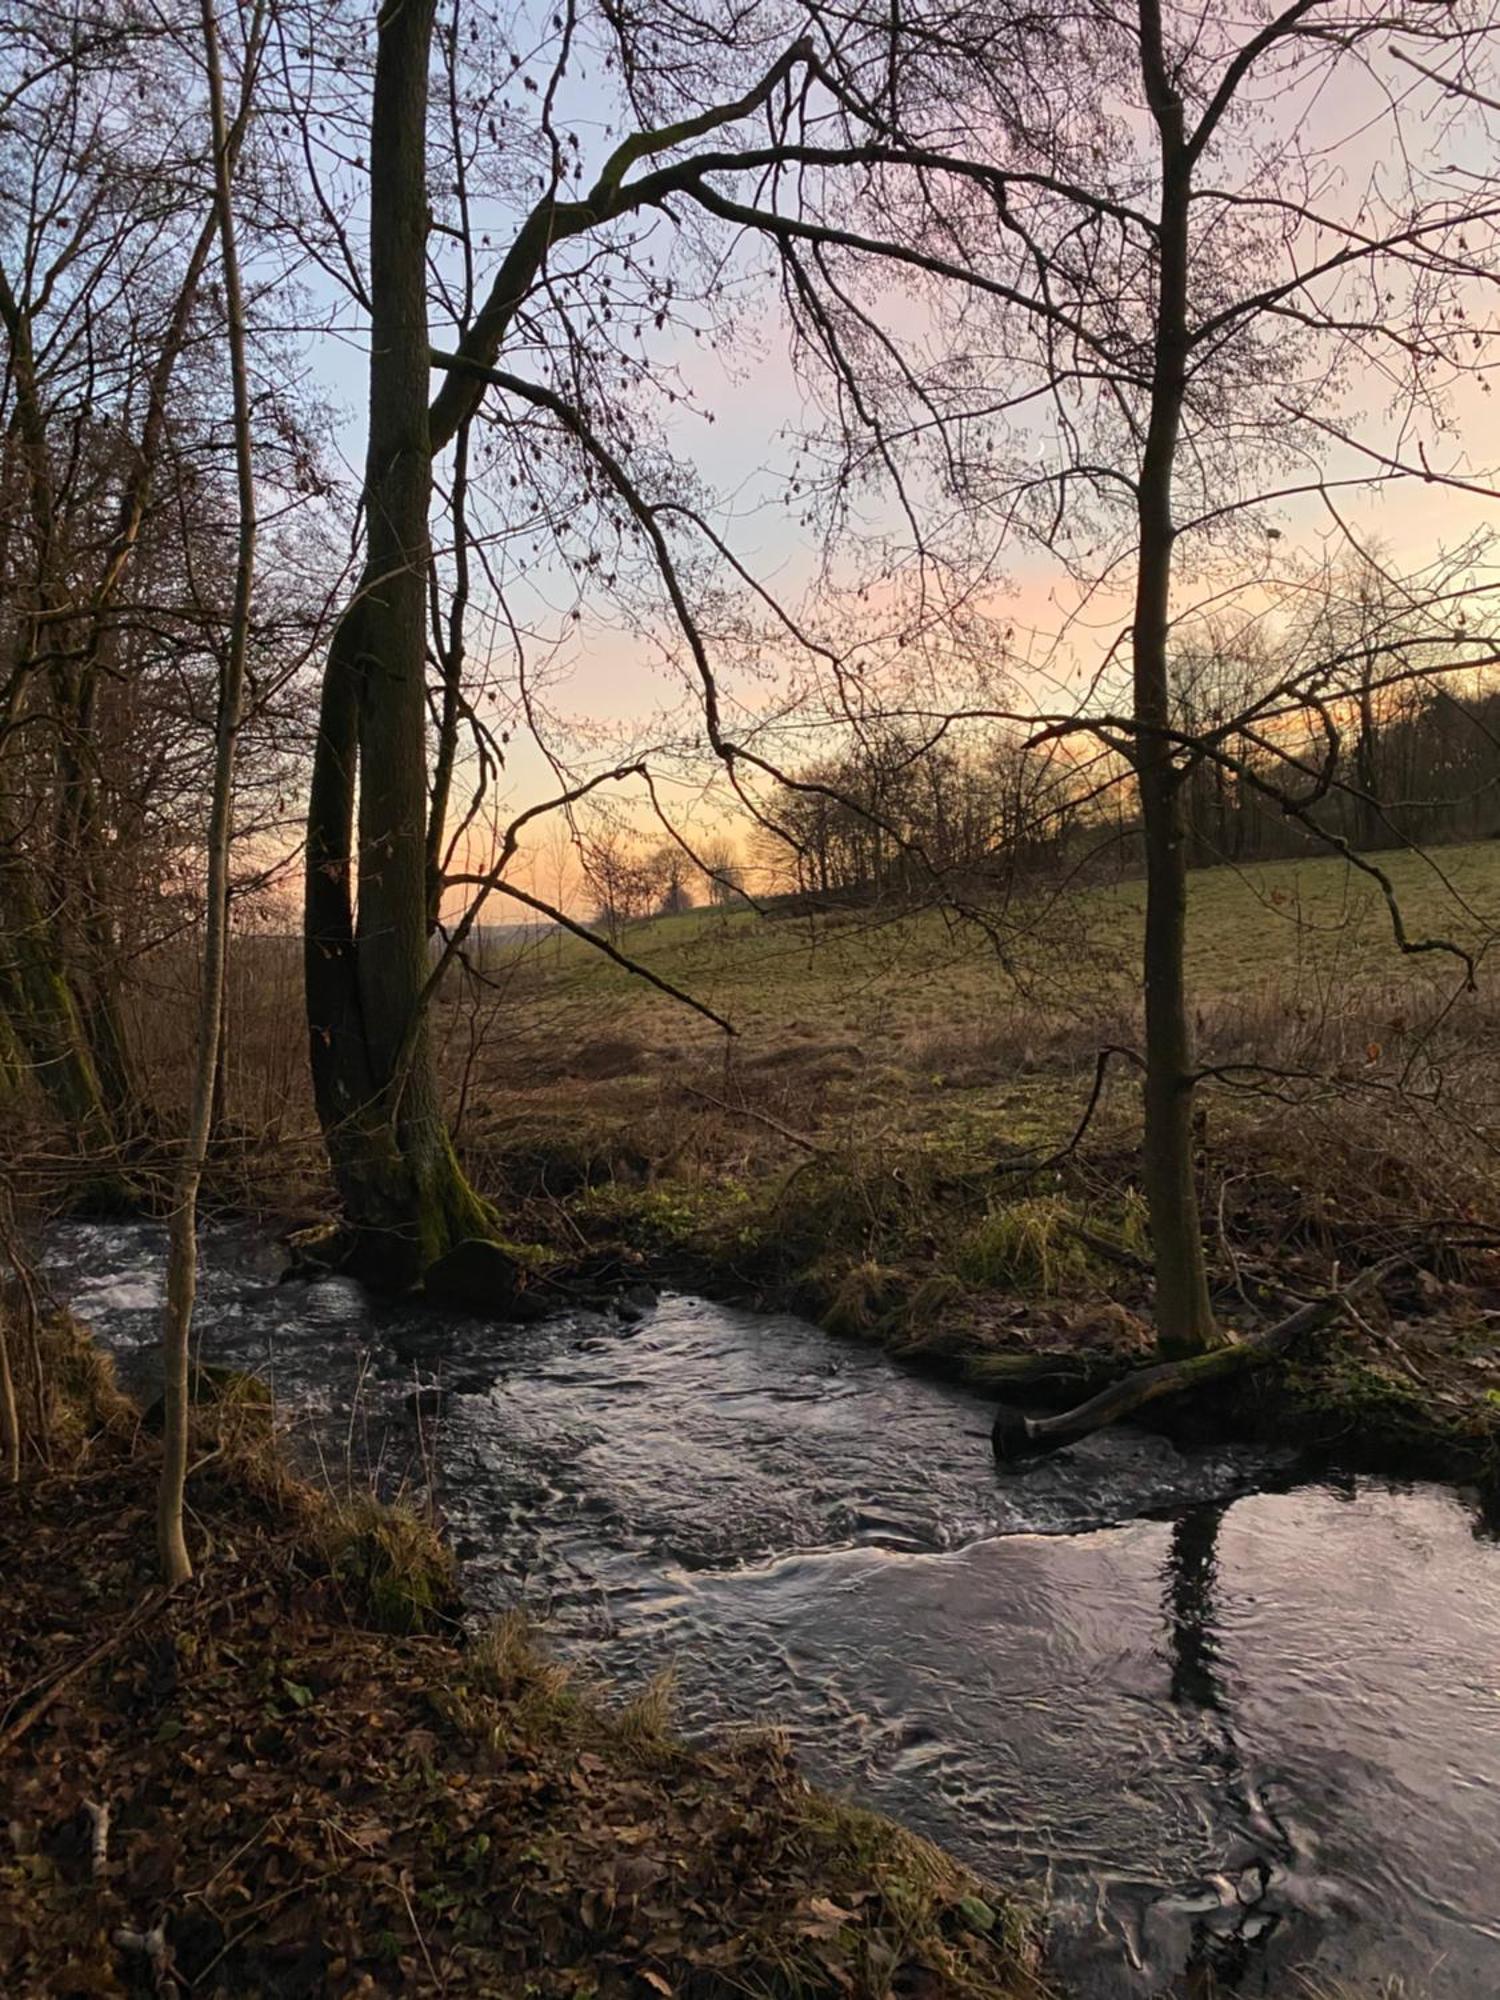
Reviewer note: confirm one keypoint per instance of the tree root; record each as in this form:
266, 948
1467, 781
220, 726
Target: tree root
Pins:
1016, 1437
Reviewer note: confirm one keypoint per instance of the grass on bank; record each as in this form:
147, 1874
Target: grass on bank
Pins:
299, 1800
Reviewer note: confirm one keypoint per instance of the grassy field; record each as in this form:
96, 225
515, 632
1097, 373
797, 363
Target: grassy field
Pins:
1276, 927
859, 1019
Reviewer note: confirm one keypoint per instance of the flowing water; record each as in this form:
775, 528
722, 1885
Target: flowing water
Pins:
1220, 1719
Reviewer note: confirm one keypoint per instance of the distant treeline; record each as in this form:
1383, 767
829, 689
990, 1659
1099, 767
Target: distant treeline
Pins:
1419, 768
902, 816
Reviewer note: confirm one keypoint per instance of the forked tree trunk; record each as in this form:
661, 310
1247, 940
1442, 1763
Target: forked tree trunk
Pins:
1185, 1321
404, 1197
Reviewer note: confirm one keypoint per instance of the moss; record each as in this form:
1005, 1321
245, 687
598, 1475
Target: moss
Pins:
672, 1214
449, 1210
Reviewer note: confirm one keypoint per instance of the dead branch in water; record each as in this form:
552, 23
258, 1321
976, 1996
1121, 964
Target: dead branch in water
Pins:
1015, 1436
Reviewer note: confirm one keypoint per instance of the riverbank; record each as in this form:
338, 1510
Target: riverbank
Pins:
913, 1140
1034, 1286
257, 1786
1030, 1283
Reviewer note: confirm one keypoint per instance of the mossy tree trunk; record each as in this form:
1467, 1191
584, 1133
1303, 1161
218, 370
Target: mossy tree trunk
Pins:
44, 1017
84, 926
367, 954
12, 1056
39, 985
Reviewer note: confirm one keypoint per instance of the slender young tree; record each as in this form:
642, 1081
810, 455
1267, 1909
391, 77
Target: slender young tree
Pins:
1184, 1314
182, 1254
10, 1415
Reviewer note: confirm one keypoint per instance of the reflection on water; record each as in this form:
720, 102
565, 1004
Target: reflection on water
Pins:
1258, 1732
1192, 1571
1237, 1907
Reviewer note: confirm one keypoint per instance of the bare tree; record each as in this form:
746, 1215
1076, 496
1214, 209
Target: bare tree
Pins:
1182, 312
182, 1256
672, 880
110, 529
626, 882
723, 872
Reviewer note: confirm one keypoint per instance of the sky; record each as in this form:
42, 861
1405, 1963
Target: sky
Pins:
616, 685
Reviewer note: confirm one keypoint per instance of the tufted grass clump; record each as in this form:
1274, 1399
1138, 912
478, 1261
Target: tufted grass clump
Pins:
1030, 1246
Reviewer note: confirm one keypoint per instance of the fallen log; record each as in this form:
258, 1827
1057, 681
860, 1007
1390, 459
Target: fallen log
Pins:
1016, 1436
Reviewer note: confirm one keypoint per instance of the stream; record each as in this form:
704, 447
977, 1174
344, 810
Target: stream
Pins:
1218, 1715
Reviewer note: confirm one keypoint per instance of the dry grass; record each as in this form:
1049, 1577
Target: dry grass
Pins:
883, 1030
932, 992
860, 1150
909, 1030
866, 1146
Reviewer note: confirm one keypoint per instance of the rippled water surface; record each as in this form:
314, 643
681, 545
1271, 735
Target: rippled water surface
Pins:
1218, 1723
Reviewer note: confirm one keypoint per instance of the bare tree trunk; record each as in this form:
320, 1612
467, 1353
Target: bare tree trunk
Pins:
448, 638
1185, 1319
46, 1012
10, 1418
182, 1253
1366, 763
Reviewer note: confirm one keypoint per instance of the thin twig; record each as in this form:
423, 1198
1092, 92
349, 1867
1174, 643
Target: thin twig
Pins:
762, 1117
147, 1609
